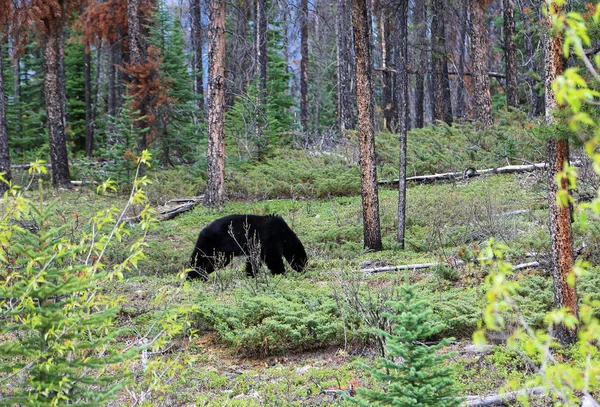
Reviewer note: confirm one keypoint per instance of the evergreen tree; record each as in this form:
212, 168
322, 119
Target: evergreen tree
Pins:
32, 107
174, 124
420, 377
75, 87
279, 120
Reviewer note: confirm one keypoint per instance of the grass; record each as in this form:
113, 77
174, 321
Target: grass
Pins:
256, 342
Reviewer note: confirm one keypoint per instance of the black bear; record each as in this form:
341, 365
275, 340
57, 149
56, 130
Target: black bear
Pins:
267, 238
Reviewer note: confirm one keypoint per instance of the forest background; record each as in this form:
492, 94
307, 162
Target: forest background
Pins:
298, 108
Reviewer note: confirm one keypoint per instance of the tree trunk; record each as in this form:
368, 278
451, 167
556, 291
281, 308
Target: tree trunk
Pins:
56, 129
260, 61
215, 184
482, 100
401, 91
366, 116
196, 39
4, 153
111, 102
510, 53
387, 104
460, 87
304, 66
536, 100
17, 94
420, 17
560, 215
89, 129
344, 68
442, 104
133, 30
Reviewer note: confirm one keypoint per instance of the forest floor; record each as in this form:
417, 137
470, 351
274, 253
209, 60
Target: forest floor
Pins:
247, 342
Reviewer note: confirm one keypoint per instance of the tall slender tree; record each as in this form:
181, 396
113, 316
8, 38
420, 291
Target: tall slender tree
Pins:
260, 63
4, 153
89, 121
197, 44
510, 53
557, 150
442, 104
304, 66
482, 100
215, 184
420, 14
460, 86
344, 66
361, 24
401, 95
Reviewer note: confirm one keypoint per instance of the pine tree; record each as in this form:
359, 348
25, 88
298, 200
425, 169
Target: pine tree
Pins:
420, 377
75, 87
57, 327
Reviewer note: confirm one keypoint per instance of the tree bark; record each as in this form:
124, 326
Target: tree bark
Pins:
401, 95
420, 22
196, 40
510, 53
304, 66
442, 104
536, 100
52, 92
133, 30
89, 129
344, 68
560, 215
260, 61
460, 87
4, 152
361, 23
482, 100
111, 102
215, 184
383, 15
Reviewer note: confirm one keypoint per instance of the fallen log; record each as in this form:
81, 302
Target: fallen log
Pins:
472, 172
171, 212
28, 166
434, 264
502, 399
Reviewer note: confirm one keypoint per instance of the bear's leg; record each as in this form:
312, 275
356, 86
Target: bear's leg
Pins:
275, 262
252, 267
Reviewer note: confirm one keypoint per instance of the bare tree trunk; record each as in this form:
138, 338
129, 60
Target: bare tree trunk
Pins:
536, 100
56, 123
260, 61
133, 28
304, 66
510, 53
366, 115
383, 25
420, 22
402, 96
112, 92
61, 76
442, 104
4, 153
17, 94
89, 129
482, 99
215, 184
196, 39
460, 87
344, 68
560, 215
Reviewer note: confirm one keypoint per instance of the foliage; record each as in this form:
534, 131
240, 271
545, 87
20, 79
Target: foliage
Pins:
58, 327
420, 377
75, 92
275, 322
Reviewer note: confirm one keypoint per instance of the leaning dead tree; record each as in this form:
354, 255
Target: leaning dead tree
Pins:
472, 172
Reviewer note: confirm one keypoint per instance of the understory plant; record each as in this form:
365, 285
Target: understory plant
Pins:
58, 334
413, 373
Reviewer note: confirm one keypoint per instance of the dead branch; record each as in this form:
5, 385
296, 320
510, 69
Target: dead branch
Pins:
471, 172
502, 399
434, 264
169, 212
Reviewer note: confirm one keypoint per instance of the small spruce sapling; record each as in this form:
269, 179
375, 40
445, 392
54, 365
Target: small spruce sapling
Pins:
414, 372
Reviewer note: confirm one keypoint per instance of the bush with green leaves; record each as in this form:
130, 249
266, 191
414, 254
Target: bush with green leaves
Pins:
413, 373
277, 321
57, 327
